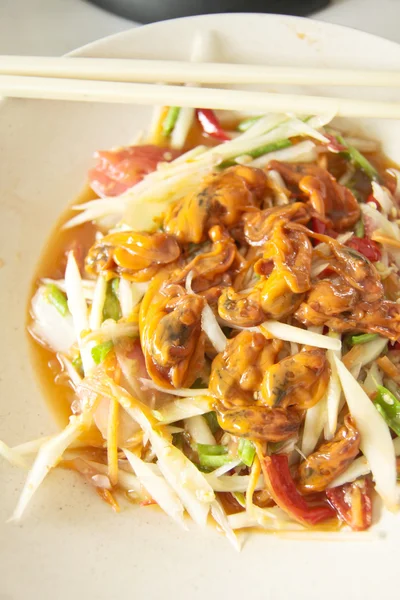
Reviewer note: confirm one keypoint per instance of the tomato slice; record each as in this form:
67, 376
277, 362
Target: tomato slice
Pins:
283, 490
366, 247
118, 170
353, 503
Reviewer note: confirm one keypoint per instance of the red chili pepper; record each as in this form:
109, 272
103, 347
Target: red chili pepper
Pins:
365, 246
211, 125
372, 199
334, 145
283, 490
317, 225
353, 503
333, 234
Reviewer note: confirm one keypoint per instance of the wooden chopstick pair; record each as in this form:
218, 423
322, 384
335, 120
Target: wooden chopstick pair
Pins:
135, 81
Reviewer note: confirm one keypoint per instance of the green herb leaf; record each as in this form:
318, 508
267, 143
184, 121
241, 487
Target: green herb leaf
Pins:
214, 461
388, 406
358, 159
100, 352
205, 469
77, 363
240, 498
363, 338
212, 420
246, 451
225, 164
359, 229
212, 449
260, 151
112, 308
170, 120
271, 147
247, 123
57, 298
115, 286
213, 455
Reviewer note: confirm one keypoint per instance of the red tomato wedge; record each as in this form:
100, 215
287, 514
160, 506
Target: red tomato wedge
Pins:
118, 170
366, 247
283, 490
353, 503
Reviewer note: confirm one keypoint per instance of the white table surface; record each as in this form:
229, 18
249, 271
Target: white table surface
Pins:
53, 27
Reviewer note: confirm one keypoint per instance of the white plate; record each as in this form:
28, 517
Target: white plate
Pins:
69, 544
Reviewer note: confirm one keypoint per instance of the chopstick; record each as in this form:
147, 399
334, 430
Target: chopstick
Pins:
153, 71
150, 94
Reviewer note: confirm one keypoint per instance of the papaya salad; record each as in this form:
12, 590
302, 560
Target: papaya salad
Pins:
224, 319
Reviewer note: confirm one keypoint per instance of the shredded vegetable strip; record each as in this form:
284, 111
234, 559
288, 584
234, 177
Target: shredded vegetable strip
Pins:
389, 368
361, 355
70, 369
182, 392
315, 420
213, 330
282, 331
189, 484
225, 468
232, 483
199, 430
183, 408
158, 488
126, 298
333, 397
192, 488
219, 515
112, 441
12, 456
357, 469
99, 296
78, 308
376, 442
273, 519
110, 330
48, 456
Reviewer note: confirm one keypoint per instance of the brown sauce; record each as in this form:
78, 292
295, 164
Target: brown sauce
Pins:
51, 264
